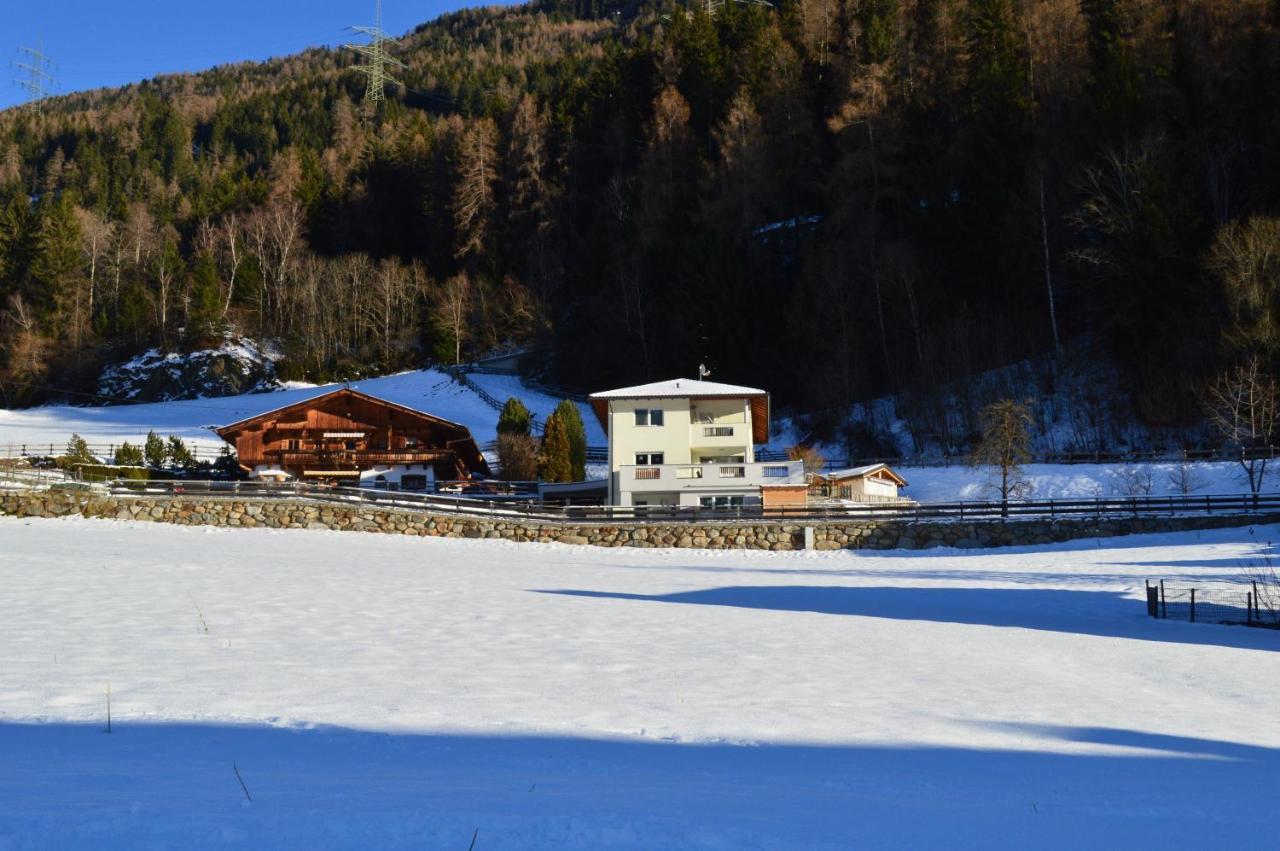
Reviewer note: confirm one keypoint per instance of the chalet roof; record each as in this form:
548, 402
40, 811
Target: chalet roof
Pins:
680, 388
689, 388
348, 392
862, 472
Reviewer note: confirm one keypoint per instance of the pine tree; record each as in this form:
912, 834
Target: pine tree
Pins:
205, 308
78, 451
128, 455
57, 263
568, 414
555, 463
154, 451
179, 454
515, 418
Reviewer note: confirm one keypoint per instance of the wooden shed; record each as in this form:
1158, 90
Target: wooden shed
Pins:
869, 483
351, 436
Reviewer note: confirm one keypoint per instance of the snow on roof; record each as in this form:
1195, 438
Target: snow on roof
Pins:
858, 472
678, 388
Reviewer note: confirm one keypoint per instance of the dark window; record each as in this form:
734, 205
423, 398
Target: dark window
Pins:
644, 459
413, 483
655, 417
642, 417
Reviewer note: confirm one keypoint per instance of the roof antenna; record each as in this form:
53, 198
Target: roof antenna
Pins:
703, 372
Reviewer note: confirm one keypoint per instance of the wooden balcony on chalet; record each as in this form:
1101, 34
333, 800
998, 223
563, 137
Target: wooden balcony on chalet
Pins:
362, 458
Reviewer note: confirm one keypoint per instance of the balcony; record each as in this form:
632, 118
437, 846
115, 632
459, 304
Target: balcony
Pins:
709, 477
337, 458
719, 436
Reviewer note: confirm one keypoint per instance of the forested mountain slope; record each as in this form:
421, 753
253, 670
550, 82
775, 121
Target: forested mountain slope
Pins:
835, 199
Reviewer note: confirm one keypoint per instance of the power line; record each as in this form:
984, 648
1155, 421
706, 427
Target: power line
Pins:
38, 70
376, 61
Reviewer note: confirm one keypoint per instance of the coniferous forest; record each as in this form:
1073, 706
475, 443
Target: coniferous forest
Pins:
833, 199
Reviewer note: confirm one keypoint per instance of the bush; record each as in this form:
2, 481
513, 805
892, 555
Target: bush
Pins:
106, 472
518, 457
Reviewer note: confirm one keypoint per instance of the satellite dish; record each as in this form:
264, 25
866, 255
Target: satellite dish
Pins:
703, 372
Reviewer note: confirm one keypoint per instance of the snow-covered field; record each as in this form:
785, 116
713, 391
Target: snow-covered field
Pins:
380, 692
425, 390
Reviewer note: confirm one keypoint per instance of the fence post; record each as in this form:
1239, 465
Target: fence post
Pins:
1193, 605
1164, 605
1248, 617
1153, 602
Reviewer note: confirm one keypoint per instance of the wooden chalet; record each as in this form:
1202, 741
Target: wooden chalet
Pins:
351, 436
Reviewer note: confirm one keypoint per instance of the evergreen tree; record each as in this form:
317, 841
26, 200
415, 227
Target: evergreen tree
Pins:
555, 463
78, 451
128, 455
205, 310
57, 262
515, 418
154, 451
179, 454
568, 414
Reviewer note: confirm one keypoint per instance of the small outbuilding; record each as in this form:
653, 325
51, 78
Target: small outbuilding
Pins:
870, 483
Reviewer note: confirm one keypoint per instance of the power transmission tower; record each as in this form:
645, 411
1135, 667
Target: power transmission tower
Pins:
38, 67
376, 61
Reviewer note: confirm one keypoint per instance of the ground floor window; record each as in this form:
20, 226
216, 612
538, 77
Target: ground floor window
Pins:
413, 483
720, 502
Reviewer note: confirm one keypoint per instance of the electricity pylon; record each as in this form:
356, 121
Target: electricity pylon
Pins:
376, 61
38, 80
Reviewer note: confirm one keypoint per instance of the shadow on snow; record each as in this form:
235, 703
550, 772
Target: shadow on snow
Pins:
318, 787
1109, 614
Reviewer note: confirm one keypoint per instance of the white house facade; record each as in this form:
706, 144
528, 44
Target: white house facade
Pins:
689, 443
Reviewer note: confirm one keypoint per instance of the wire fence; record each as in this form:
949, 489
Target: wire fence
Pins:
1252, 604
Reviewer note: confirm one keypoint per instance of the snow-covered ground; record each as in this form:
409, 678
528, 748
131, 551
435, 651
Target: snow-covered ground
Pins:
1084, 481
425, 390
380, 692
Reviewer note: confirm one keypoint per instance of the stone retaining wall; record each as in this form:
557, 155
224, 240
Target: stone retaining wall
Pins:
763, 535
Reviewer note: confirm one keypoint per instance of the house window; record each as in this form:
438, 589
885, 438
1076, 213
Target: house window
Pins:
648, 416
413, 483
644, 459
774, 472
642, 416
720, 502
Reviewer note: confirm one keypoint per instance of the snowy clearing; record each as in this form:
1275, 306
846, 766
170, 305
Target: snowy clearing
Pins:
379, 691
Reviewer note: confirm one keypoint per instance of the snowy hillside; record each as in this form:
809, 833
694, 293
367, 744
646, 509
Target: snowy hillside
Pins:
425, 390
384, 692
1085, 481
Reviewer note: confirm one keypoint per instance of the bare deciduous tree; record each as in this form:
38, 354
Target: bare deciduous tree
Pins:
453, 304
1241, 405
1005, 446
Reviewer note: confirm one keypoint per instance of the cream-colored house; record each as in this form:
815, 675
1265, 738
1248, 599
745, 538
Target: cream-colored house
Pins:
689, 443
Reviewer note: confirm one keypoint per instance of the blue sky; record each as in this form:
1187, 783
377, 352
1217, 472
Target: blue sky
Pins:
113, 42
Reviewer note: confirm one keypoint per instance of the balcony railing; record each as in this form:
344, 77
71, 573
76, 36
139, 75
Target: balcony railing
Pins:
669, 477
353, 456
